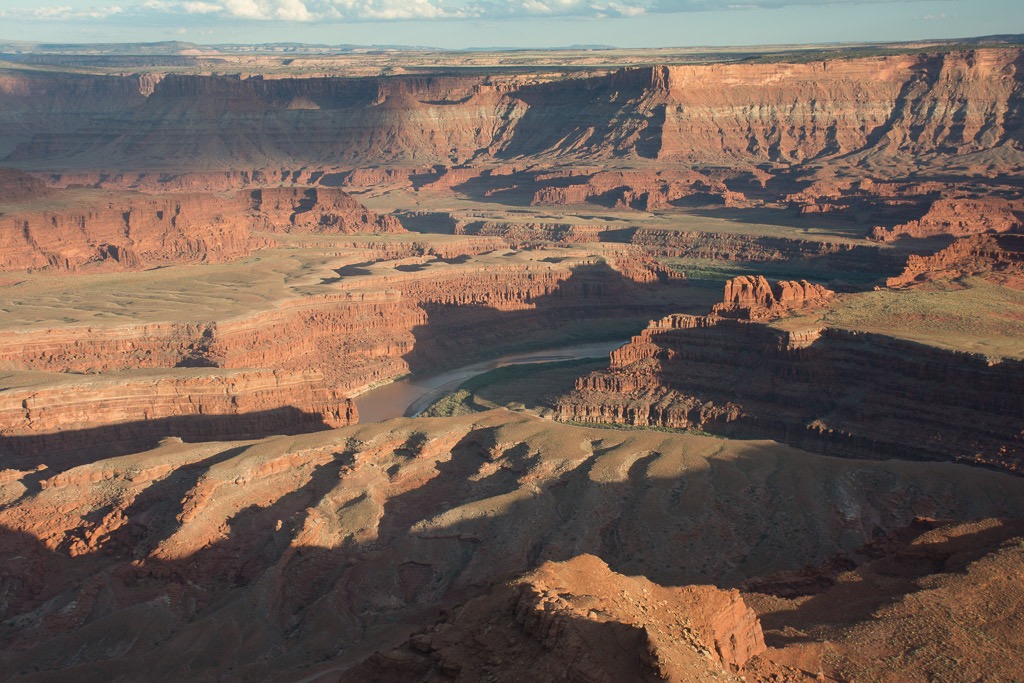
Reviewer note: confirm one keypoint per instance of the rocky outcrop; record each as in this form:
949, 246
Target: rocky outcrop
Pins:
134, 230
752, 298
957, 217
578, 620
831, 391
125, 232
321, 210
1000, 256
121, 414
16, 186
645, 190
891, 604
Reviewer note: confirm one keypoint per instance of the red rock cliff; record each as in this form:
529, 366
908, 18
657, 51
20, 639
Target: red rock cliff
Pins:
836, 392
134, 230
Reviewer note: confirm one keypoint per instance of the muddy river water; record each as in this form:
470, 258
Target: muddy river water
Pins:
411, 396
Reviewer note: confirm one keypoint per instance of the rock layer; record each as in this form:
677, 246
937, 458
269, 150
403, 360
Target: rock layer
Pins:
131, 231
828, 390
113, 415
1001, 256
897, 111
959, 218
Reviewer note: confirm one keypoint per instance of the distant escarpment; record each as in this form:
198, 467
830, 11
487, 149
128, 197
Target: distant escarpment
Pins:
16, 186
134, 230
889, 113
827, 390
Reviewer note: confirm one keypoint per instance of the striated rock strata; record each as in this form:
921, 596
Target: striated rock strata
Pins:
400, 322
16, 186
136, 230
316, 209
958, 218
827, 390
1000, 256
403, 322
128, 413
891, 113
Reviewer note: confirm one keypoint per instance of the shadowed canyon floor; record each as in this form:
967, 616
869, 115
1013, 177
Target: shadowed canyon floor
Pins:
804, 465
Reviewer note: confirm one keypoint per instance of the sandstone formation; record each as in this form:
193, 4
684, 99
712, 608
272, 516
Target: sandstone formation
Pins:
16, 186
127, 413
889, 113
132, 231
186, 494
644, 190
959, 218
752, 298
314, 351
302, 555
827, 390
125, 232
578, 620
286, 209
1001, 256
402, 321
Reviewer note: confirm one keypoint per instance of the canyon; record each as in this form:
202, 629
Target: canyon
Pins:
806, 458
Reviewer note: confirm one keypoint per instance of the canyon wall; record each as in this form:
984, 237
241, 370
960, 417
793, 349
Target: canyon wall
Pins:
127, 413
898, 110
827, 390
134, 230
301, 360
16, 186
403, 321
1000, 257
959, 217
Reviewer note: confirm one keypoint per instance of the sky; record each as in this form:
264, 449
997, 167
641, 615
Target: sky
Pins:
516, 23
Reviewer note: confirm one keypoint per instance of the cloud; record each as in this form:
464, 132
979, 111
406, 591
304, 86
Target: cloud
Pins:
200, 7
402, 10
556, 8
61, 12
247, 9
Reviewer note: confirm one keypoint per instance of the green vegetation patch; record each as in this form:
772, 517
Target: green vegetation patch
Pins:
532, 387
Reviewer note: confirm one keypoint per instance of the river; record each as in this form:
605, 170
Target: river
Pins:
411, 396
